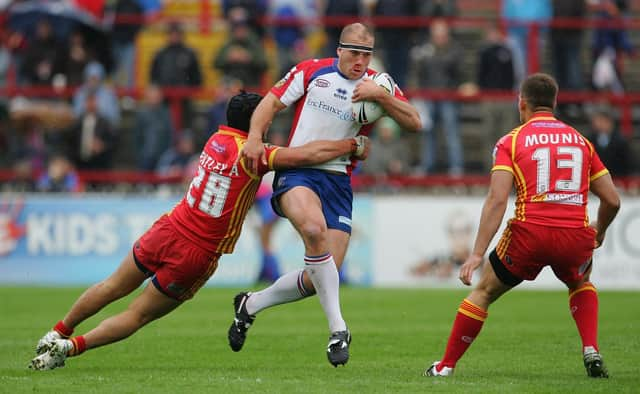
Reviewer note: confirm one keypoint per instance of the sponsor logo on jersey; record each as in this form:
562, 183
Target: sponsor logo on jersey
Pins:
322, 83
340, 93
330, 109
217, 147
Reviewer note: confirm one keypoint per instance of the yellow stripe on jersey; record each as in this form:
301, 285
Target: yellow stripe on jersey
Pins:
502, 168
521, 185
242, 205
248, 200
503, 243
598, 174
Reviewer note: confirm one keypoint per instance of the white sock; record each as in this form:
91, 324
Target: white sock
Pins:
287, 288
324, 276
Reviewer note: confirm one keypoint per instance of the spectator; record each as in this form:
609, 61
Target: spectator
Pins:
123, 37
566, 51
566, 44
289, 38
94, 85
217, 114
251, 11
177, 65
59, 177
175, 161
611, 146
242, 57
436, 65
39, 57
522, 16
90, 141
339, 8
153, 129
609, 45
495, 72
74, 59
395, 42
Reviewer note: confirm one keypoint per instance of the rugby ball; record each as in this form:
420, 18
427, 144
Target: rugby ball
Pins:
366, 112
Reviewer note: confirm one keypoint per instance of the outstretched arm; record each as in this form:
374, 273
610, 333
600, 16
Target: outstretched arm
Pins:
253, 151
492, 213
604, 188
401, 111
317, 152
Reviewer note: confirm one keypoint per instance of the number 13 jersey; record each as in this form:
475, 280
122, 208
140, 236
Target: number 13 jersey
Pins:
553, 166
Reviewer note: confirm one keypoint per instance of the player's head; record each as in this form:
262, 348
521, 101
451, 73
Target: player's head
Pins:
355, 49
537, 93
240, 109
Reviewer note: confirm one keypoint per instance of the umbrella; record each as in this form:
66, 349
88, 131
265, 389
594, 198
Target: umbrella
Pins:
65, 17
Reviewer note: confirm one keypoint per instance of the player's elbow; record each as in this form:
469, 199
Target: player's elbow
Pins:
612, 202
412, 123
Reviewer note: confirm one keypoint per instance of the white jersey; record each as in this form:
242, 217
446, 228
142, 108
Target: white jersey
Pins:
322, 98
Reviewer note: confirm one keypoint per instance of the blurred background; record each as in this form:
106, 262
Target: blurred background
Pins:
104, 107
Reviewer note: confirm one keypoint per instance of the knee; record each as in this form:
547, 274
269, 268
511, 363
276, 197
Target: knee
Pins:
314, 234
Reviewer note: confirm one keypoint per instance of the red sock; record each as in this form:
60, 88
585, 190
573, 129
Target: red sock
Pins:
63, 330
79, 346
466, 327
584, 308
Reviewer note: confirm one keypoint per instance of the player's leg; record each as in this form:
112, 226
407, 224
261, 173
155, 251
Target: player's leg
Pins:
123, 281
583, 304
572, 264
473, 311
150, 305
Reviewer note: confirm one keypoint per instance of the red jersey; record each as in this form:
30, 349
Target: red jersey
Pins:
213, 210
553, 166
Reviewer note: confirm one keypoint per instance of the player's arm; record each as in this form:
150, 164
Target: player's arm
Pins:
253, 151
493, 210
604, 188
401, 111
321, 151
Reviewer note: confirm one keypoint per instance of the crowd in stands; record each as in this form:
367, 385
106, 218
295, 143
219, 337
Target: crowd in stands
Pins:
103, 111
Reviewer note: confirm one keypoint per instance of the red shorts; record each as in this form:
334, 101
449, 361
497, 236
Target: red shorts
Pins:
525, 248
178, 266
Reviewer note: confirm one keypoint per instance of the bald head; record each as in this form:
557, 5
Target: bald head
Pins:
356, 32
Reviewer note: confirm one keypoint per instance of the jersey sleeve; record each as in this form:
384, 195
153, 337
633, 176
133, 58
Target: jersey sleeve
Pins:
502, 154
293, 85
597, 167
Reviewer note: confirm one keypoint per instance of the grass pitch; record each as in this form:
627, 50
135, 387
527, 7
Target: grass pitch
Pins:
528, 344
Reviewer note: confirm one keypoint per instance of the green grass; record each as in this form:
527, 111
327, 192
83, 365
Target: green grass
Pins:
529, 344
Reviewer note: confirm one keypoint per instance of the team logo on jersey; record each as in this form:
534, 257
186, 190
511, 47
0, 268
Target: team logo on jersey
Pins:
322, 83
217, 147
341, 94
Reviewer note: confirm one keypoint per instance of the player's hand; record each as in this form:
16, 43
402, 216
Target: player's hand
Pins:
363, 146
599, 235
367, 90
470, 265
253, 154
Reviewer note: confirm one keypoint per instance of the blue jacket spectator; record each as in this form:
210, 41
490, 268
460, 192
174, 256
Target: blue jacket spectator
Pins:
107, 101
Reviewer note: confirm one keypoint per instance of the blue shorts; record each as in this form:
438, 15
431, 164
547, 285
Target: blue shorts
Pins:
334, 191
